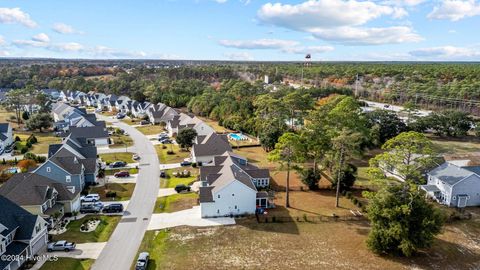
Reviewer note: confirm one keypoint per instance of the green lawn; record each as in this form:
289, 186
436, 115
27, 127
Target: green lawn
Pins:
363, 179
171, 181
44, 141
101, 234
151, 129
177, 156
121, 140
112, 172
154, 243
124, 191
176, 202
68, 263
455, 147
120, 156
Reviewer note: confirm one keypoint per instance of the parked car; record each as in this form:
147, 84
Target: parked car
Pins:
135, 157
122, 174
61, 245
120, 116
163, 137
90, 208
163, 174
142, 261
144, 122
113, 208
182, 187
118, 164
90, 198
167, 141
185, 163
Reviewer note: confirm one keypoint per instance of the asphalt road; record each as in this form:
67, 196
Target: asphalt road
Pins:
122, 247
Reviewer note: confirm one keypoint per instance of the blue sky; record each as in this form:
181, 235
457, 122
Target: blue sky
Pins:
242, 29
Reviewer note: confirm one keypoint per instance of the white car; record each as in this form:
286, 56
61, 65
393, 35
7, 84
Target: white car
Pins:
90, 198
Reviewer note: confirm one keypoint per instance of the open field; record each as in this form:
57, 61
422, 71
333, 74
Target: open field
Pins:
301, 245
44, 141
101, 234
176, 202
444, 146
214, 124
171, 181
68, 263
120, 156
121, 140
124, 191
151, 129
178, 156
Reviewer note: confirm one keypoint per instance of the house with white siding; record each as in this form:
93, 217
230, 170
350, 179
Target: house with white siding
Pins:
6, 136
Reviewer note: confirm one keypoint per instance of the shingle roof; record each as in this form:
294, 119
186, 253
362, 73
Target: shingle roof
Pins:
69, 164
212, 145
206, 194
450, 173
33, 189
13, 216
4, 127
89, 132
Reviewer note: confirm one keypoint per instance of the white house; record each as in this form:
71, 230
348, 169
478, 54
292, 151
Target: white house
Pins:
453, 185
205, 148
6, 136
228, 187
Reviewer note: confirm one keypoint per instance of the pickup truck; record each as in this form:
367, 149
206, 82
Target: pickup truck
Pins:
61, 246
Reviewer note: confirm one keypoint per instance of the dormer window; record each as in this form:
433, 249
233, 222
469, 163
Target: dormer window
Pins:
49, 169
68, 178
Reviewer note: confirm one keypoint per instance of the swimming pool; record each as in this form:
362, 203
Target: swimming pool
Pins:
237, 137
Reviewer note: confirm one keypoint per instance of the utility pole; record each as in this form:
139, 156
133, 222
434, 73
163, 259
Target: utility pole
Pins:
339, 176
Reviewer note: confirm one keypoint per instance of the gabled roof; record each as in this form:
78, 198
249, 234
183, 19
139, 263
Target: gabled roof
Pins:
34, 189
211, 145
14, 217
89, 132
70, 164
450, 173
4, 127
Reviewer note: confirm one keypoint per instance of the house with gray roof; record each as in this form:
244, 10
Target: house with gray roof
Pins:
6, 136
454, 185
96, 135
41, 196
230, 187
22, 234
205, 148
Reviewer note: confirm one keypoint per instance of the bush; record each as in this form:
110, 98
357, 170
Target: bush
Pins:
111, 194
194, 165
170, 152
28, 145
17, 139
24, 150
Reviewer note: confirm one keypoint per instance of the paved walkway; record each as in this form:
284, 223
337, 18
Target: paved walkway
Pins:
164, 192
122, 180
122, 247
170, 166
189, 217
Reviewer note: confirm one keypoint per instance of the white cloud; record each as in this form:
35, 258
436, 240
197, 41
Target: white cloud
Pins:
368, 36
42, 37
220, 1
29, 43
64, 29
2, 40
258, 43
407, 3
446, 53
4, 53
16, 15
455, 10
104, 51
340, 21
314, 14
67, 47
239, 56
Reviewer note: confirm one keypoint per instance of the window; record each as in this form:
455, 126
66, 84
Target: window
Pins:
218, 196
233, 194
218, 211
454, 197
49, 169
235, 207
68, 178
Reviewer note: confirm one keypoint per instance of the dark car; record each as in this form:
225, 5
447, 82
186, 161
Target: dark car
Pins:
167, 141
182, 187
122, 174
163, 174
118, 164
90, 208
142, 261
144, 122
163, 138
113, 208
185, 163
120, 116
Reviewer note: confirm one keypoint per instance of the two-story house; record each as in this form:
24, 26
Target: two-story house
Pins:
22, 234
6, 136
206, 147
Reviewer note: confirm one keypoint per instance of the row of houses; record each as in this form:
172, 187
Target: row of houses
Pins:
32, 202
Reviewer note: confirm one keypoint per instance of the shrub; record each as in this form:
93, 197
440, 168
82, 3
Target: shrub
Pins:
24, 150
194, 165
111, 194
17, 139
170, 152
28, 144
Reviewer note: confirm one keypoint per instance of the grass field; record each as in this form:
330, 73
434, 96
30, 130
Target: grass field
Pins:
214, 124
301, 245
124, 191
178, 156
44, 141
151, 129
176, 202
68, 263
455, 147
121, 140
120, 156
171, 181
101, 234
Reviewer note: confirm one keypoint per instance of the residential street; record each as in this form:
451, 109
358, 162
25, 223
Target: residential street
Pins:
121, 249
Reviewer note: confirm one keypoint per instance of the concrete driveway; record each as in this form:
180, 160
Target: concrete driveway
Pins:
189, 217
170, 166
82, 251
106, 150
122, 247
164, 192
129, 166
122, 180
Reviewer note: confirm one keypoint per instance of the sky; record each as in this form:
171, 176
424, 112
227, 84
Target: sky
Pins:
256, 30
